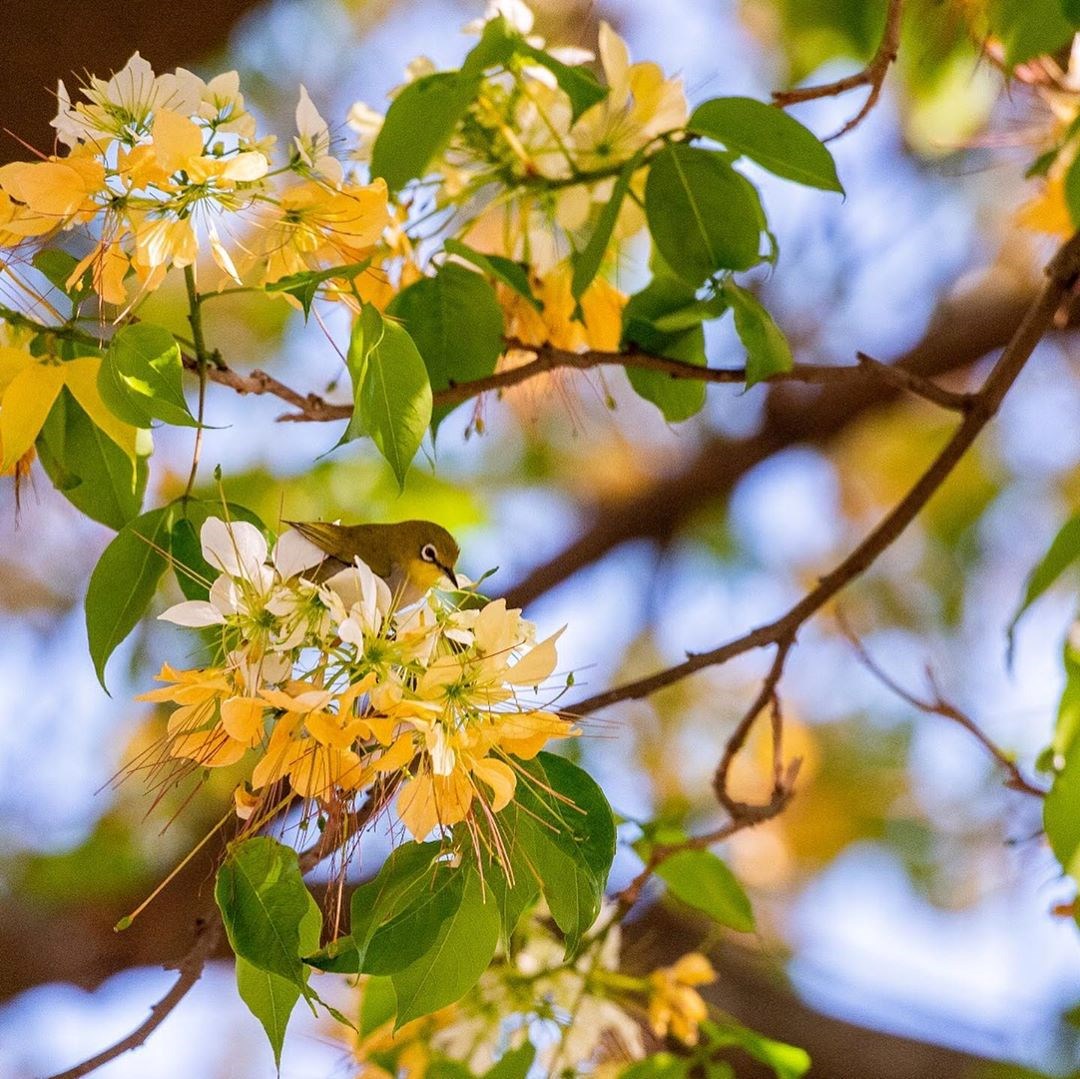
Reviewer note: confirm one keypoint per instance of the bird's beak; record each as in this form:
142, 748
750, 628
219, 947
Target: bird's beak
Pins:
449, 573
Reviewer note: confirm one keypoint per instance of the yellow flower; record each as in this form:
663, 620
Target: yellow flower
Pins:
459, 729
215, 724
1048, 211
600, 326
675, 1006
43, 196
29, 386
641, 105
311, 746
313, 224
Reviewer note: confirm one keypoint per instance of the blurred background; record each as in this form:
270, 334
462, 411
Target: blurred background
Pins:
905, 898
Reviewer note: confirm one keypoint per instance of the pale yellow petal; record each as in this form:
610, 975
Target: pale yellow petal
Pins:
24, 408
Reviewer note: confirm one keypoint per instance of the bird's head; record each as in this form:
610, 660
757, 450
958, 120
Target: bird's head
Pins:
424, 553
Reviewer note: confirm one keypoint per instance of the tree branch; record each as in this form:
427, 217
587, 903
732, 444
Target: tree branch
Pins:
1062, 274
873, 75
208, 933
937, 705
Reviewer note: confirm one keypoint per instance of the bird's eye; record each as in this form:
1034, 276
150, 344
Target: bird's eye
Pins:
428, 553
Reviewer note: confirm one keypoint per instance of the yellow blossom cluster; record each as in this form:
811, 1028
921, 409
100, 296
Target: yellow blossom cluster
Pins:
158, 168
329, 687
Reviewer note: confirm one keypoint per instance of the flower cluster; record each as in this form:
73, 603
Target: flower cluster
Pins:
586, 1014
329, 687
541, 176
164, 166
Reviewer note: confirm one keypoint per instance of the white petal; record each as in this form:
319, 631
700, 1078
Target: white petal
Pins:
293, 554
237, 548
224, 595
195, 613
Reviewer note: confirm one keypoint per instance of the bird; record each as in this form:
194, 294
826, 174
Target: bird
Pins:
411, 556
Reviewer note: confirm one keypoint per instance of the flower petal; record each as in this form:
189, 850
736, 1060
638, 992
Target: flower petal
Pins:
293, 554
237, 548
195, 613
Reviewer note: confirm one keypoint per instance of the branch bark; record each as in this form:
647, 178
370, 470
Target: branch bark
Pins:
1062, 273
962, 331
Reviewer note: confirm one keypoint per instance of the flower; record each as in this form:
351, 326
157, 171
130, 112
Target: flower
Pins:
216, 722
313, 225
640, 106
29, 387
462, 723
313, 141
675, 1006
258, 603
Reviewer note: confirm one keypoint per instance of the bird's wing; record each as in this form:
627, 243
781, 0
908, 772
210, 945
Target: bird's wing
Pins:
343, 543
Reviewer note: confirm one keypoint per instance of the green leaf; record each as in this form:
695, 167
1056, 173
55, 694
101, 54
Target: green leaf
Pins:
378, 1003
587, 261
514, 892
407, 936
270, 997
701, 879
514, 1064
704, 217
512, 274
1061, 813
123, 583
58, 266
304, 286
767, 350
768, 136
457, 957
495, 48
456, 323
263, 901
419, 124
409, 869
392, 394
567, 834
1064, 552
578, 83
658, 1066
141, 377
1028, 28
667, 299
1067, 726
88, 468
786, 1061
1071, 10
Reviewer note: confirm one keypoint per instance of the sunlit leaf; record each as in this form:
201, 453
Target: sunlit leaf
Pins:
767, 350
769, 136
459, 954
123, 583
700, 879
419, 124
704, 217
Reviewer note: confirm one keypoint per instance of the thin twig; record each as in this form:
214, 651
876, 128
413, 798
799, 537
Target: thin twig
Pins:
937, 705
873, 75
208, 934
1062, 272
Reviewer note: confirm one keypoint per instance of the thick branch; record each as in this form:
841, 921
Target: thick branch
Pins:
1062, 274
962, 331
873, 75
311, 408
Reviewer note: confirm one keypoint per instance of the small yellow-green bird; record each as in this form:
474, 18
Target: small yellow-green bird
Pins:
411, 556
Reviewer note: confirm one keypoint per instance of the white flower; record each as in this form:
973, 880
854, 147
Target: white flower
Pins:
358, 601
367, 123
313, 141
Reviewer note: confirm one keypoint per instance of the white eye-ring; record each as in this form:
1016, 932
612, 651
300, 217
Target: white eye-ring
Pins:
428, 553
